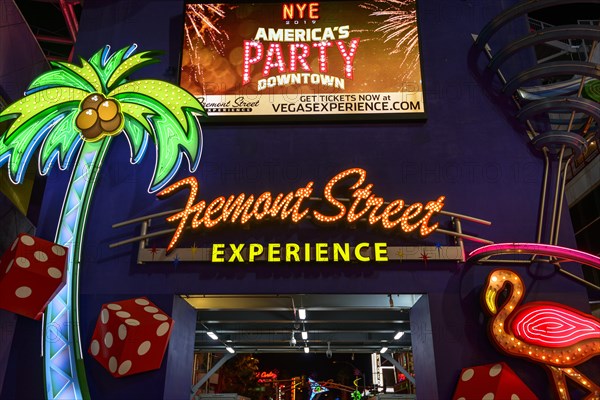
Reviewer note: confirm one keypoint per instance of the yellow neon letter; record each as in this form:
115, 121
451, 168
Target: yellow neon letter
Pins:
274, 252
381, 252
218, 252
255, 250
291, 250
236, 252
321, 252
344, 252
357, 253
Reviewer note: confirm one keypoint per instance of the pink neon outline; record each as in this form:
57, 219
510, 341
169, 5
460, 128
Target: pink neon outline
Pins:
552, 326
538, 249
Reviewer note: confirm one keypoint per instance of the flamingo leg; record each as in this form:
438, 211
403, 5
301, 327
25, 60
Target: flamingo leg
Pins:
585, 382
560, 383
559, 376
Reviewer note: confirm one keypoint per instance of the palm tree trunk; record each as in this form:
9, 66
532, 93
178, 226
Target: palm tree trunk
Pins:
64, 372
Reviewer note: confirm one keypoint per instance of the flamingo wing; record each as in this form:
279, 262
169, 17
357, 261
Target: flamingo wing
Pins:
553, 325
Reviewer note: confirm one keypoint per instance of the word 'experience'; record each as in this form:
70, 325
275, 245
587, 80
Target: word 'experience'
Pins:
293, 252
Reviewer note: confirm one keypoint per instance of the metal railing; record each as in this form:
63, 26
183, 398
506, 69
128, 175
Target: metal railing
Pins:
566, 46
153, 226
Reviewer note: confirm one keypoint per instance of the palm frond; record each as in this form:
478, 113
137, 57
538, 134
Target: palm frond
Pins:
27, 108
137, 136
131, 65
59, 77
36, 116
18, 149
172, 97
137, 128
139, 113
105, 63
172, 145
173, 123
86, 71
114, 68
60, 144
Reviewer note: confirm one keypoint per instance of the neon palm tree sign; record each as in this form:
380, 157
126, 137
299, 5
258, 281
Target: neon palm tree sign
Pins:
73, 113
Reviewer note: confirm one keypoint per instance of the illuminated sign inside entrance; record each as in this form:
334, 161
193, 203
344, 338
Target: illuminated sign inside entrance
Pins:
297, 205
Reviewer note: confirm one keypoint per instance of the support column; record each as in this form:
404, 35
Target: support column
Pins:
180, 353
8, 323
423, 351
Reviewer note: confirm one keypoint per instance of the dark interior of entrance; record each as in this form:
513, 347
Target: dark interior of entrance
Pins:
292, 347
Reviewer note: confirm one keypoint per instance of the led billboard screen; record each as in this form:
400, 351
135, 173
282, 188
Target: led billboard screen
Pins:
334, 59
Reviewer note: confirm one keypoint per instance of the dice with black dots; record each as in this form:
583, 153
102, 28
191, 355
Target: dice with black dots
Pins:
131, 336
32, 272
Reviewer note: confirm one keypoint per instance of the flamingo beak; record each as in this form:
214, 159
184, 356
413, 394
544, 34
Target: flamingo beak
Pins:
490, 298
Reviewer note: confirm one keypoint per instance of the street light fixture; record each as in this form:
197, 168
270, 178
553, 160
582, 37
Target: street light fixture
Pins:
302, 313
212, 335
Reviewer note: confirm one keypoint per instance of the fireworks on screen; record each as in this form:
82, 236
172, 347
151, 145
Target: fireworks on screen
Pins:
399, 26
203, 21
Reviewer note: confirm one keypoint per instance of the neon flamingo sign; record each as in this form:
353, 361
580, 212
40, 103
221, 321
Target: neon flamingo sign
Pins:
554, 335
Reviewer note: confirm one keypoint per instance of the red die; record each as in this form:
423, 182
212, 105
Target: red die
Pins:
131, 336
32, 272
491, 381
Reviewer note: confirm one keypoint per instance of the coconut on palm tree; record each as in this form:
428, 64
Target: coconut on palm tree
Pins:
71, 113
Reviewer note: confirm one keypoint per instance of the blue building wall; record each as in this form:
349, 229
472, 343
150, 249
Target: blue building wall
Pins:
468, 150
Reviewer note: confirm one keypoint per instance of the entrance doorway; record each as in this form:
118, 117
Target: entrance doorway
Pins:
311, 345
